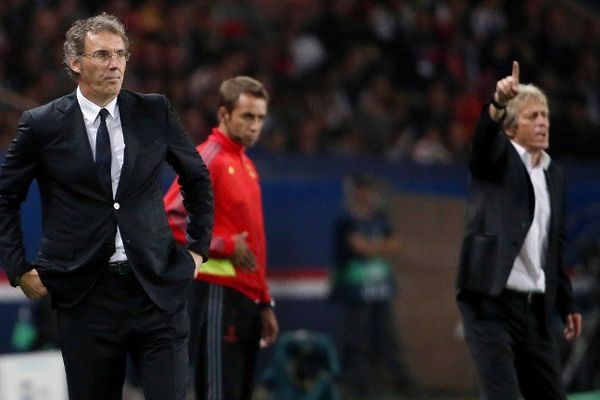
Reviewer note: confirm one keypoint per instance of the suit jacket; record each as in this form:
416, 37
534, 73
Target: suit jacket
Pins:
79, 214
499, 213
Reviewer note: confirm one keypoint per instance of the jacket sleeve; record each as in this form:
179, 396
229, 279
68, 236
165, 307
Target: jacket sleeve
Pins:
195, 186
16, 174
489, 146
565, 303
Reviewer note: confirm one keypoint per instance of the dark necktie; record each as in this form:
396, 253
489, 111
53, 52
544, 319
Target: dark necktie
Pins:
103, 157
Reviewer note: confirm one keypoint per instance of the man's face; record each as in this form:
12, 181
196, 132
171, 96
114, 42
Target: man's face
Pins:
100, 79
532, 129
245, 122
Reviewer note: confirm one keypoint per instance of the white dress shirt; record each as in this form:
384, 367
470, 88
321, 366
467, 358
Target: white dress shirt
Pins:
91, 117
527, 274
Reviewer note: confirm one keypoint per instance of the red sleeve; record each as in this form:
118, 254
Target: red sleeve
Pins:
221, 247
265, 296
176, 213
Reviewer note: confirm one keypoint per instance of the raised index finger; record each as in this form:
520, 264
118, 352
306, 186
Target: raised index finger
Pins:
515, 72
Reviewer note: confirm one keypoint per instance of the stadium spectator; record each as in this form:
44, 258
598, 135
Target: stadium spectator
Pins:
184, 48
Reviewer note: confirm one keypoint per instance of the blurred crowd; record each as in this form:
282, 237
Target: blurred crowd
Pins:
396, 79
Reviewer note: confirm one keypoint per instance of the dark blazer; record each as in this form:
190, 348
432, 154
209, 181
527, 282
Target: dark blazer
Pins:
79, 215
499, 213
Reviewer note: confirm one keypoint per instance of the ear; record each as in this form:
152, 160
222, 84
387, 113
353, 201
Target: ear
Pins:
511, 130
75, 64
222, 113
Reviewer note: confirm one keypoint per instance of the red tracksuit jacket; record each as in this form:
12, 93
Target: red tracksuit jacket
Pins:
238, 208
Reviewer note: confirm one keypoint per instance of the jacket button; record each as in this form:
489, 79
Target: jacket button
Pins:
116, 206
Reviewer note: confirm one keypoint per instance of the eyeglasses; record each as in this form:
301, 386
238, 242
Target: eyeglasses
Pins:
104, 56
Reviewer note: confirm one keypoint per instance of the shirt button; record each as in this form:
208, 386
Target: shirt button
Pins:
116, 206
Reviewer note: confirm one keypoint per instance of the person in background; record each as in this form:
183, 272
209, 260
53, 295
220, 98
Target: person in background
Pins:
511, 279
231, 309
107, 257
364, 285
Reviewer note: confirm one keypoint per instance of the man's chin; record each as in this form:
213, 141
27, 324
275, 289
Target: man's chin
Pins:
243, 141
113, 90
113, 84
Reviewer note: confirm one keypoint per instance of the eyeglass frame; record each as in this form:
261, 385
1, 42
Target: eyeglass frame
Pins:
104, 56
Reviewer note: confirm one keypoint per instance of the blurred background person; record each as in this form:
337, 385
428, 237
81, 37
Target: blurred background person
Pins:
364, 285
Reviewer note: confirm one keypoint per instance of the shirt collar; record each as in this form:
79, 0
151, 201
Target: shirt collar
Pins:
526, 157
90, 110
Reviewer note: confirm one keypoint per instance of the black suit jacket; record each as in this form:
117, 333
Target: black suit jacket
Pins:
79, 214
499, 213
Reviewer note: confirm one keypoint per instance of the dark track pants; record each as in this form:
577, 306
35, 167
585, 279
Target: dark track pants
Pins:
226, 328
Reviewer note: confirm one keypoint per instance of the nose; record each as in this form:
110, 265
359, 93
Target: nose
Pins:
113, 61
256, 123
113, 57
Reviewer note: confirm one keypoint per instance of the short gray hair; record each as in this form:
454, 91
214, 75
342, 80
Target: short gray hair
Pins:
75, 37
513, 107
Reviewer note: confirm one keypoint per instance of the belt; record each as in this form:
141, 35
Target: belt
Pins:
119, 267
528, 297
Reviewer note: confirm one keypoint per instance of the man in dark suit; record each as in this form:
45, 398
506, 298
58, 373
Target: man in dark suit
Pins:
511, 280
108, 259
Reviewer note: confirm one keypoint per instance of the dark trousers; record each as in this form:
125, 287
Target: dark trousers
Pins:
226, 329
116, 319
511, 347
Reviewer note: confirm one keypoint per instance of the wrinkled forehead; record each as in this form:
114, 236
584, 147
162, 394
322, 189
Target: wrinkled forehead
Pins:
104, 39
532, 103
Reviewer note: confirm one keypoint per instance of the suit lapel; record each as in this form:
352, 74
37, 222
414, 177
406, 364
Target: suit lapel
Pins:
523, 174
73, 126
551, 185
128, 122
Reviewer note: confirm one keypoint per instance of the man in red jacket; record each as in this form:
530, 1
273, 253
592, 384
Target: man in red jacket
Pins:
231, 309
